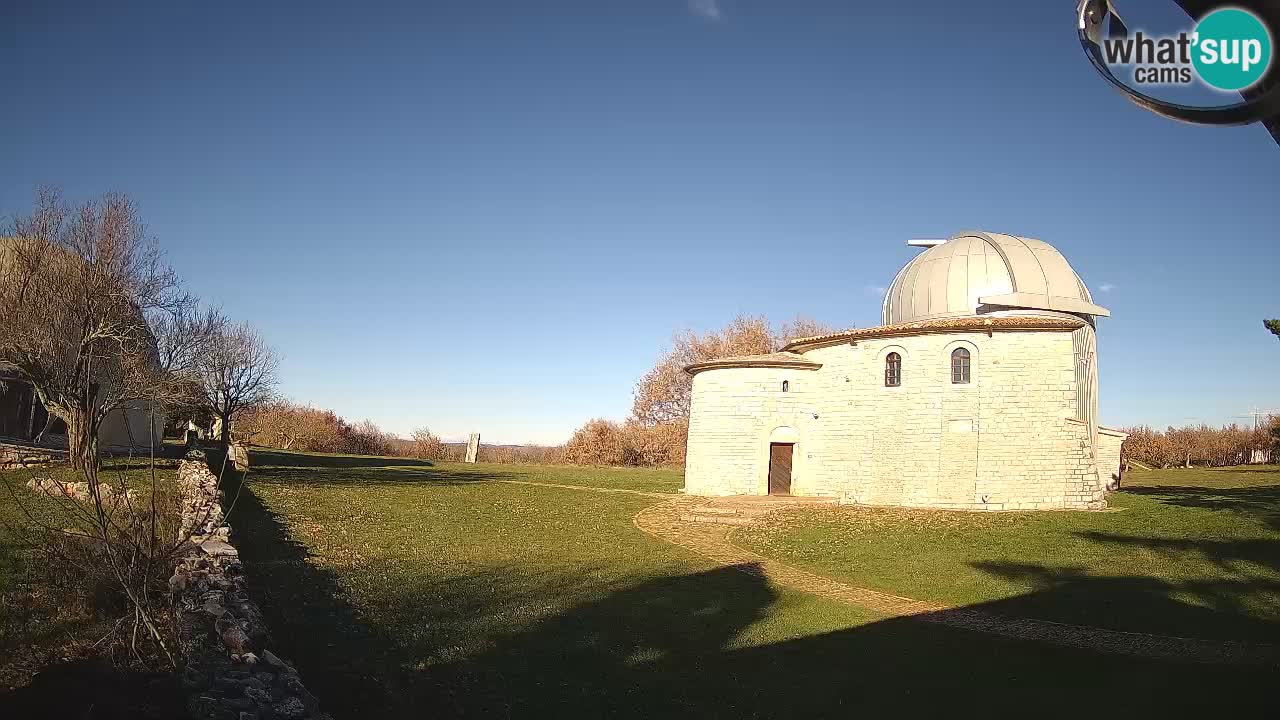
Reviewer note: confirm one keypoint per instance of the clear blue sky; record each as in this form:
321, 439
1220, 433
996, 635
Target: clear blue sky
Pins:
492, 216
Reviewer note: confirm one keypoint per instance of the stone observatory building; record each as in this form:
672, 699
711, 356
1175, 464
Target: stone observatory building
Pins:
979, 392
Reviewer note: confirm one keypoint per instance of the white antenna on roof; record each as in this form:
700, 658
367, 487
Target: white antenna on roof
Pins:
925, 242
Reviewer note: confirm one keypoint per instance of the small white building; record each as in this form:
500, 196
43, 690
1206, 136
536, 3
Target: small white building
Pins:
979, 391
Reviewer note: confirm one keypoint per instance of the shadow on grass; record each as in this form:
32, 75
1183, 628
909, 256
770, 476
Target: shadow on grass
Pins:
1260, 503
345, 471
1220, 609
664, 647
354, 477
93, 690
45, 635
266, 456
677, 646
303, 604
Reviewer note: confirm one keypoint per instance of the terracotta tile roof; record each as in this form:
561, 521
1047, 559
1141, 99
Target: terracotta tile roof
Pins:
944, 325
790, 357
775, 360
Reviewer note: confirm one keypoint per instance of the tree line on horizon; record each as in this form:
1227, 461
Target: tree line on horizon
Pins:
655, 433
653, 436
1202, 445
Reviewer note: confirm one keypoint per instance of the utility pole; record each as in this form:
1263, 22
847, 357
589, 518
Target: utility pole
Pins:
1256, 413
1259, 455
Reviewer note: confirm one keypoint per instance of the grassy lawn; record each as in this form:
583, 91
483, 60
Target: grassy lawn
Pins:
1194, 553
408, 590
329, 469
51, 620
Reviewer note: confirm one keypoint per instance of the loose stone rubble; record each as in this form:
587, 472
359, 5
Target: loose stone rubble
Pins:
76, 490
230, 673
15, 456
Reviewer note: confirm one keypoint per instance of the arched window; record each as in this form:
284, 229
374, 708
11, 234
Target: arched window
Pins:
786, 385
892, 370
959, 366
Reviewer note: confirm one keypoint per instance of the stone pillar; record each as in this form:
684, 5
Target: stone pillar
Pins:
473, 447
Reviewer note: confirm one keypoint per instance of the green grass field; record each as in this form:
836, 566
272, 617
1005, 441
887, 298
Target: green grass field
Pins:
1194, 553
408, 590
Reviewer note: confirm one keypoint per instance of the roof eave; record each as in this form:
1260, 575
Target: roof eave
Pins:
1015, 323
723, 363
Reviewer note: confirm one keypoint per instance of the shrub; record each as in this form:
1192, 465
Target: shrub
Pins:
657, 444
426, 445
601, 442
369, 439
598, 442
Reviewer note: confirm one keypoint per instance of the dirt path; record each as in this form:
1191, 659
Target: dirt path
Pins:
670, 521
712, 541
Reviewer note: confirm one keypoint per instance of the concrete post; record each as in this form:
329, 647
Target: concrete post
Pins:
473, 447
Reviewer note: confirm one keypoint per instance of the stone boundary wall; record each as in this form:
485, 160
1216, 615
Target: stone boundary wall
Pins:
230, 674
14, 456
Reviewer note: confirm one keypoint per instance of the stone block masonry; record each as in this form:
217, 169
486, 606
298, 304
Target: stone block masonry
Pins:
1006, 439
231, 674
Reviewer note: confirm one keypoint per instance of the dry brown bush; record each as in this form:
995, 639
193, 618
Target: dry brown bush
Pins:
598, 442
106, 539
426, 445
659, 445
289, 426
366, 438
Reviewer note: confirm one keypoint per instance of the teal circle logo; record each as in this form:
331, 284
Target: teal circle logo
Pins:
1232, 49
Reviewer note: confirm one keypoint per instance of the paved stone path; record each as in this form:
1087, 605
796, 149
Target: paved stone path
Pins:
689, 523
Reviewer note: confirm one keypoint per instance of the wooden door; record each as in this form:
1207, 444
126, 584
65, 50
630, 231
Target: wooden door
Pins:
780, 468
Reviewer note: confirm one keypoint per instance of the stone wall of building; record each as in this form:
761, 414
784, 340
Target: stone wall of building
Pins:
1006, 440
734, 414
1110, 460
230, 673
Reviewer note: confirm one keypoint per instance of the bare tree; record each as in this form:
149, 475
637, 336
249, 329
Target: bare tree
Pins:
237, 371
663, 394
183, 336
79, 288
427, 445
801, 327
76, 288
